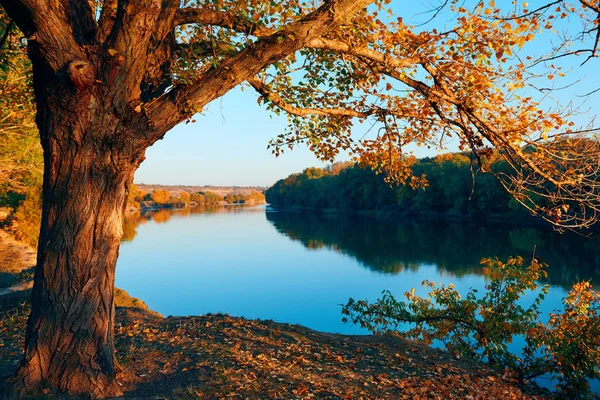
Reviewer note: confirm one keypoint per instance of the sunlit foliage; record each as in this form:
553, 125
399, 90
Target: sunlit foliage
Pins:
20, 151
475, 80
161, 196
456, 186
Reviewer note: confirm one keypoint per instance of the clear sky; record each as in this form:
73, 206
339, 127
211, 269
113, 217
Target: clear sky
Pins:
227, 145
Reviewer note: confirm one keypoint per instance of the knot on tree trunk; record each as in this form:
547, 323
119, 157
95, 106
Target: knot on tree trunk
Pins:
82, 74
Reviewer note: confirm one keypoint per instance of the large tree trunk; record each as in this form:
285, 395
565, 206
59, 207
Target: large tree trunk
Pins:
89, 167
104, 91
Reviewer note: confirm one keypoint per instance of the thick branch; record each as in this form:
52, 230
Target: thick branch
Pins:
162, 47
83, 20
53, 39
107, 19
201, 16
177, 105
383, 59
131, 39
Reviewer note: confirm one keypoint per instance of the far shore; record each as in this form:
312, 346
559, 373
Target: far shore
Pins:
152, 206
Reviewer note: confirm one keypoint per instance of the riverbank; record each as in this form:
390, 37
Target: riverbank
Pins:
217, 356
150, 206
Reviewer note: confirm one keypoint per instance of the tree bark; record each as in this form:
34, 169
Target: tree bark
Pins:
90, 159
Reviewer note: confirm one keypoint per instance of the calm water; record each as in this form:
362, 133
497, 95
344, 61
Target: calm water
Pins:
299, 267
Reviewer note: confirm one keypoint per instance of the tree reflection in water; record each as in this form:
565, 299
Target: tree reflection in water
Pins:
134, 219
455, 248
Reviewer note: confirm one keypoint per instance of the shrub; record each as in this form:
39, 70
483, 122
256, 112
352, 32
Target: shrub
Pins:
567, 347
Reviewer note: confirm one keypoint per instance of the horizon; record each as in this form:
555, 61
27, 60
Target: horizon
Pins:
202, 186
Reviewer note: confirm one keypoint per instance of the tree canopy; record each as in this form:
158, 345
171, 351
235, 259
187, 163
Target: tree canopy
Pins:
329, 65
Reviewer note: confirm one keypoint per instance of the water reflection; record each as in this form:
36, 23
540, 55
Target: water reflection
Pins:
455, 248
134, 219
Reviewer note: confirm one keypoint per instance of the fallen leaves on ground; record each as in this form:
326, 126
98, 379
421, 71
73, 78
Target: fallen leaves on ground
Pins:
217, 356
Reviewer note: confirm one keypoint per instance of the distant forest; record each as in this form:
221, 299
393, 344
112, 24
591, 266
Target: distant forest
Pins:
456, 188
161, 198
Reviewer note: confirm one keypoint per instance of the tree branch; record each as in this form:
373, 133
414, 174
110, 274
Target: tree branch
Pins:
131, 39
439, 92
202, 16
392, 65
591, 6
107, 19
163, 49
82, 16
50, 29
530, 13
178, 104
266, 92
383, 59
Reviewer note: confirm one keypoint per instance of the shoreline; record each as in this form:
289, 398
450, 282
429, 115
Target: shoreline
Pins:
178, 206
395, 216
213, 356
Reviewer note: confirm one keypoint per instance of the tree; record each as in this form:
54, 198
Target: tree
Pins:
211, 198
230, 198
112, 77
198, 198
161, 196
135, 195
254, 196
184, 197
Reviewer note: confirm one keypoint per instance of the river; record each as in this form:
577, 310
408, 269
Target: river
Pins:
298, 267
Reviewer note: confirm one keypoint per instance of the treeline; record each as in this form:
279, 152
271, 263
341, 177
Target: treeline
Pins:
160, 198
455, 188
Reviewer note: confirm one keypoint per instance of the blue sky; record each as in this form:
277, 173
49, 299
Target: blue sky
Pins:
227, 145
